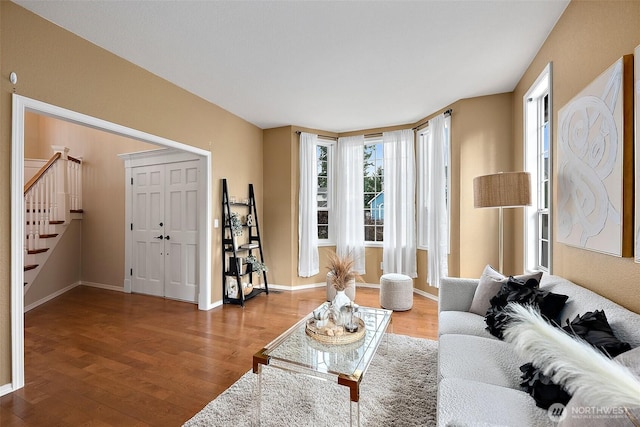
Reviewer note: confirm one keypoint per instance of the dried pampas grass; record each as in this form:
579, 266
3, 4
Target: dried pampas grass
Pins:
342, 269
570, 361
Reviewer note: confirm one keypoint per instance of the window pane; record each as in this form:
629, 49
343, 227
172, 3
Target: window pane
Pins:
322, 184
323, 217
323, 188
544, 255
544, 226
369, 233
373, 201
545, 139
323, 232
321, 152
322, 168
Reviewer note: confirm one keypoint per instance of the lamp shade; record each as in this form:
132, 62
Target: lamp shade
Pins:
508, 189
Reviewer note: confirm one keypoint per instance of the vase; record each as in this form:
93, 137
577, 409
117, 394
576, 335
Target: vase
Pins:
340, 300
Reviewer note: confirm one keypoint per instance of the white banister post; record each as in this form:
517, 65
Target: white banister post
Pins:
62, 185
79, 186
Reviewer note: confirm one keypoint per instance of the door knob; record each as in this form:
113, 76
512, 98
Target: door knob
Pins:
167, 237
159, 237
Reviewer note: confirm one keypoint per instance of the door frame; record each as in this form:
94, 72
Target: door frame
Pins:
132, 160
21, 105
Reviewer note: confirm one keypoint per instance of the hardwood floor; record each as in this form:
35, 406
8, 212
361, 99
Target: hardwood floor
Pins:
104, 358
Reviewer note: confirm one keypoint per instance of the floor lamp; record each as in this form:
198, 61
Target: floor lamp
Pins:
502, 190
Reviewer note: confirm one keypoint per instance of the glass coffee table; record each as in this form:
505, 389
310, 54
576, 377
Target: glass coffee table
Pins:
347, 364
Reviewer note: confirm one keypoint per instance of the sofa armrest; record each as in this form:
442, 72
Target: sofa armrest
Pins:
456, 294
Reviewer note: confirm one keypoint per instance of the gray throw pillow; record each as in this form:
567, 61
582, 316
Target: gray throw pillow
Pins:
489, 285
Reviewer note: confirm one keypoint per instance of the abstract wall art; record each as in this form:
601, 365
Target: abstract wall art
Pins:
595, 164
636, 97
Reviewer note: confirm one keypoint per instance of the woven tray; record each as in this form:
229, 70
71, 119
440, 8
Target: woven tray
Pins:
331, 334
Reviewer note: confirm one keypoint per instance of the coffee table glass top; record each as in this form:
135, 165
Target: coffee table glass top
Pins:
296, 348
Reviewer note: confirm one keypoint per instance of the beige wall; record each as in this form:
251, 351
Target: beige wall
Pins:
103, 190
60, 68
62, 268
588, 38
481, 140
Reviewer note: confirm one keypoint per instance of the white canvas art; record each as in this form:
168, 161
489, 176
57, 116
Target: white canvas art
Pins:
636, 97
590, 165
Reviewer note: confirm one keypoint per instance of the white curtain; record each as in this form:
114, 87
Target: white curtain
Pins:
308, 263
349, 200
399, 246
438, 217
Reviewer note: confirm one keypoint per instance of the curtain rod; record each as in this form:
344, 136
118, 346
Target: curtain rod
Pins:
320, 136
446, 113
371, 135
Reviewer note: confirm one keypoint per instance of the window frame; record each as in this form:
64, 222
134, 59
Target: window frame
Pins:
374, 140
331, 149
534, 161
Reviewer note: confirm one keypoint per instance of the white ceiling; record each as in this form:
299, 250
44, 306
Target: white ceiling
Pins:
331, 65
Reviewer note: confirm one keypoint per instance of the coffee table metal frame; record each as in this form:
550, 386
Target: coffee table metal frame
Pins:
296, 352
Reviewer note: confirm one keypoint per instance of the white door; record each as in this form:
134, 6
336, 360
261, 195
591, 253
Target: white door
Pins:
181, 231
165, 226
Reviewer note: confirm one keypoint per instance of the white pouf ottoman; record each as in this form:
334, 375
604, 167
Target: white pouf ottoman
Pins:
396, 292
350, 290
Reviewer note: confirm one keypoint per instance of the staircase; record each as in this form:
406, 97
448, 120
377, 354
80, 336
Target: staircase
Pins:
52, 198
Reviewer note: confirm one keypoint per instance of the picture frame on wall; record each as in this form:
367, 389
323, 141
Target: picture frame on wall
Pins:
636, 98
595, 164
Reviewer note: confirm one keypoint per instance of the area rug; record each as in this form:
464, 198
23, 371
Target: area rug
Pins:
399, 389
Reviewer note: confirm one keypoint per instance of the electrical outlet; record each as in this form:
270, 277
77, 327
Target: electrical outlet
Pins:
215, 223
381, 265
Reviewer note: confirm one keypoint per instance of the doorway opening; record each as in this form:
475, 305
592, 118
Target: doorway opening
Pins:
23, 105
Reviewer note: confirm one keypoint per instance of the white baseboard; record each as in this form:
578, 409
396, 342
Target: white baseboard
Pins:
296, 288
368, 285
213, 305
50, 297
425, 294
6, 389
102, 286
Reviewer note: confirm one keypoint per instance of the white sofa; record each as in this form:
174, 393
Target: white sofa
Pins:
479, 375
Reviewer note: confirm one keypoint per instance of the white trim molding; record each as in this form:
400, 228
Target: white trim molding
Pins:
21, 105
6, 389
51, 296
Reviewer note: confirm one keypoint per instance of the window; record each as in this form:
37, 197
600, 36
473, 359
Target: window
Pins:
373, 205
538, 239
324, 156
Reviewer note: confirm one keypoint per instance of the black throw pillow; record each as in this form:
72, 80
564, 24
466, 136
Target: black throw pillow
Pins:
525, 293
544, 391
594, 328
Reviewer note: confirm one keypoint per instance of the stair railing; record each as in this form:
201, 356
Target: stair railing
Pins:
51, 194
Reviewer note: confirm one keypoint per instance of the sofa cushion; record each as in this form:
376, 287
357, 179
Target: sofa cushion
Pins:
464, 403
479, 359
462, 322
489, 285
